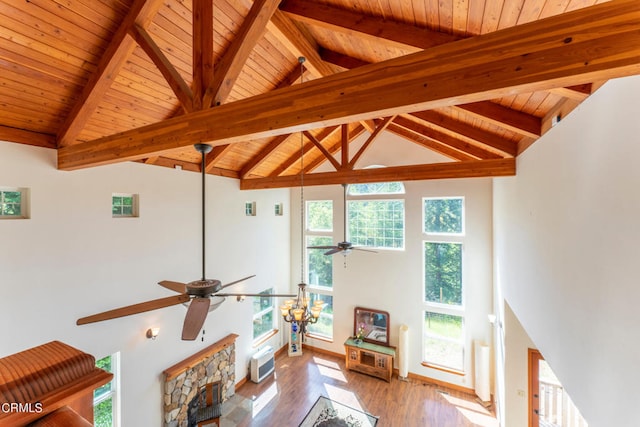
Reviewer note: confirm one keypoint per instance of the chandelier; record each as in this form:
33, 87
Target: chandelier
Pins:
300, 312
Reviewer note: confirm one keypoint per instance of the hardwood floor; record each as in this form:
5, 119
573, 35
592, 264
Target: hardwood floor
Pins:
284, 398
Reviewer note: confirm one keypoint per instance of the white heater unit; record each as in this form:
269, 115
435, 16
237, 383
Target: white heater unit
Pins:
262, 364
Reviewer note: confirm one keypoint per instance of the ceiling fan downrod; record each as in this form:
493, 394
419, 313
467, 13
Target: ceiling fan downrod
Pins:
203, 149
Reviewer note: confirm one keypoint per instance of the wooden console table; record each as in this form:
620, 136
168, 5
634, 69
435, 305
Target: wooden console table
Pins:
371, 359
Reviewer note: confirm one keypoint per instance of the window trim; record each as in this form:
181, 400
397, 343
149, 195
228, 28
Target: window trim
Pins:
384, 198
134, 205
444, 234
438, 307
114, 393
274, 319
24, 202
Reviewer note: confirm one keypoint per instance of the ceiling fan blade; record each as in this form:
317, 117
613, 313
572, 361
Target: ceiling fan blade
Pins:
364, 250
335, 250
174, 286
257, 295
196, 315
135, 309
237, 281
322, 247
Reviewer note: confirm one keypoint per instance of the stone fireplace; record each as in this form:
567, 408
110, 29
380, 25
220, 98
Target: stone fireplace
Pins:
184, 380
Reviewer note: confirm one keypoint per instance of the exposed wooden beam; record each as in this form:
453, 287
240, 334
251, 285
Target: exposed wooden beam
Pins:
354, 133
119, 49
353, 23
323, 150
468, 169
595, 43
299, 44
488, 139
374, 135
180, 88
415, 132
578, 92
27, 137
229, 67
216, 154
202, 50
507, 118
344, 149
295, 157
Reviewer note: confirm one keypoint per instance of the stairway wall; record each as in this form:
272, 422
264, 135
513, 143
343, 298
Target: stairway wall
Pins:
566, 243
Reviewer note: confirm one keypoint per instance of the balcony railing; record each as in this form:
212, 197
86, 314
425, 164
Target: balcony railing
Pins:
556, 407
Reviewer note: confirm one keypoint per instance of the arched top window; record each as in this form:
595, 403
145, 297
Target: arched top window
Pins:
377, 188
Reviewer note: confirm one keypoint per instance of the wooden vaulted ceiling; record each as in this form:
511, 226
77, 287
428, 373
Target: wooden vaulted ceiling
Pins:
105, 81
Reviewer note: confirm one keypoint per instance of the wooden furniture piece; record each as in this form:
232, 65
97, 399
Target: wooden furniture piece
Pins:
371, 359
44, 379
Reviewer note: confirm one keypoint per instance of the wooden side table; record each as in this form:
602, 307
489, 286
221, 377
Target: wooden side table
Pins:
371, 359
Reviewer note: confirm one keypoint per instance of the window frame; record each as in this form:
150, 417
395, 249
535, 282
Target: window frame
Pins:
134, 205
315, 290
274, 318
114, 392
24, 202
377, 198
439, 307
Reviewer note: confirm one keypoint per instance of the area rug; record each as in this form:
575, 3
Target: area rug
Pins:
328, 413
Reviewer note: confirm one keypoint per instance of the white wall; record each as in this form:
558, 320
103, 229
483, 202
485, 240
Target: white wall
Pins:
72, 259
566, 248
392, 280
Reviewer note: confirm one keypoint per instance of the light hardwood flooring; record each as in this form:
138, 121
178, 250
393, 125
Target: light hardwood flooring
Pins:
284, 398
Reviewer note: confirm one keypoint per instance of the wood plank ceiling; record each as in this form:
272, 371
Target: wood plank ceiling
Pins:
105, 81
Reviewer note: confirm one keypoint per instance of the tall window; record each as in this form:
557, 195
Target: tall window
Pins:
263, 318
106, 398
319, 232
12, 203
444, 315
378, 220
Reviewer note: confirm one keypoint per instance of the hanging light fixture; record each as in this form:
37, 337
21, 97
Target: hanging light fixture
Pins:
300, 312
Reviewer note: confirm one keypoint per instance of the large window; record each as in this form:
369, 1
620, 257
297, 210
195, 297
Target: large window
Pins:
376, 222
106, 398
444, 313
319, 232
12, 203
263, 315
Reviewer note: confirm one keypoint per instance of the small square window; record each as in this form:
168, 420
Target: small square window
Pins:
444, 215
277, 209
124, 205
250, 208
13, 203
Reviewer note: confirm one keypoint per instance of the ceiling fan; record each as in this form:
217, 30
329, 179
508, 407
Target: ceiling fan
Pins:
201, 295
343, 247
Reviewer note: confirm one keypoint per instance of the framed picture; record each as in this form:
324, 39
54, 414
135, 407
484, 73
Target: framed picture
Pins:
371, 325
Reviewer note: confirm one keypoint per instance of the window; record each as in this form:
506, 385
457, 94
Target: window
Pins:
443, 343
320, 215
377, 223
443, 216
106, 397
319, 220
324, 326
124, 205
444, 312
12, 203
278, 209
263, 318
250, 208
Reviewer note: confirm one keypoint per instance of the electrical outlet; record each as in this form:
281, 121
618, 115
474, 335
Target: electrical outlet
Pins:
521, 393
